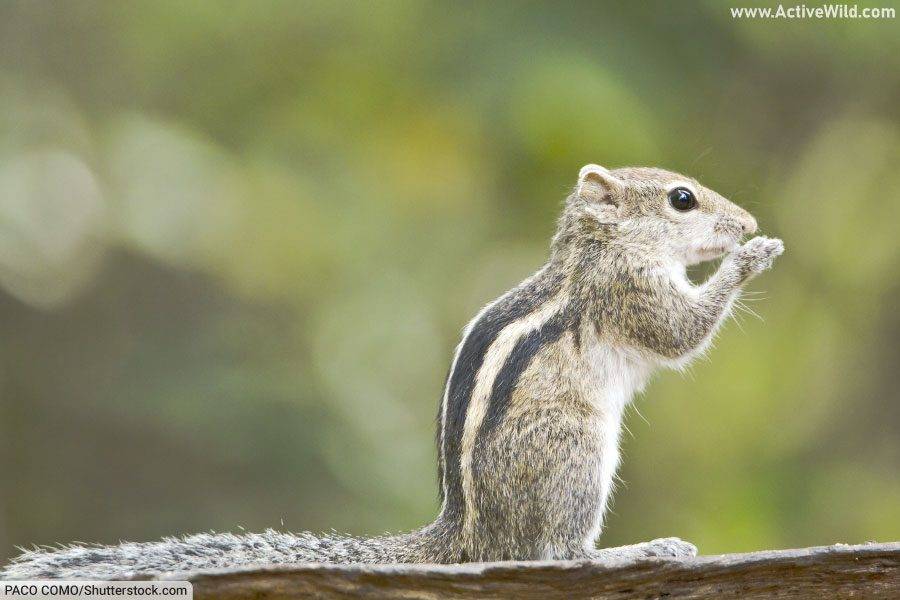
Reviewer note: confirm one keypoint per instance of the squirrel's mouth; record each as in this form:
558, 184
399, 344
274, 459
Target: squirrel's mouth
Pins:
712, 248
705, 253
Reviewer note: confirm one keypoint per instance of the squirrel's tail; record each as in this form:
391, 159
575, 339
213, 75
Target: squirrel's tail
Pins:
219, 550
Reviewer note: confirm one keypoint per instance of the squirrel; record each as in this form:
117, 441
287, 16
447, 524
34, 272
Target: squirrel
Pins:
532, 406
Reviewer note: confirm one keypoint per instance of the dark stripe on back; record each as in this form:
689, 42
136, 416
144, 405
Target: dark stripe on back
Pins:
517, 303
439, 431
516, 363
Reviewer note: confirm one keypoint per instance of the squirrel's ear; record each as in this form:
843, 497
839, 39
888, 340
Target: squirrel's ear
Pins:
597, 184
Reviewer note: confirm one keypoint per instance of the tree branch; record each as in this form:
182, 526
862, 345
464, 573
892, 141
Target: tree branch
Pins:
826, 572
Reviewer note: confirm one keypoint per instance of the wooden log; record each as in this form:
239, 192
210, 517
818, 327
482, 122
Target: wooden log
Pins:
825, 572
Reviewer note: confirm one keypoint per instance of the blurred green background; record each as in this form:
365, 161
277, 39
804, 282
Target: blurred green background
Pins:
238, 242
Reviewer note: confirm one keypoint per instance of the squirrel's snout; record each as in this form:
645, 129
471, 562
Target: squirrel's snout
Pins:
737, 224
748, 224
746, 221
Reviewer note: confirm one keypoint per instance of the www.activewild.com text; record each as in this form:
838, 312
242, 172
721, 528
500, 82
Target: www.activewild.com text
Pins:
826, 11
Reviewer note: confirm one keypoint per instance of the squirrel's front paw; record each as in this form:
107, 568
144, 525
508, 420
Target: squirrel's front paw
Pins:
757, 255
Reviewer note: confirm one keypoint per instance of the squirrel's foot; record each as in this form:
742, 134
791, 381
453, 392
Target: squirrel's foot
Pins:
672, 547
757, 255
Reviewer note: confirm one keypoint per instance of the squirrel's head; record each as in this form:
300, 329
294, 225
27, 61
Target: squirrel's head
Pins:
652, 210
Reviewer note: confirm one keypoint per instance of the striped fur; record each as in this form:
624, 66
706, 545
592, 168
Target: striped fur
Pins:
478, 337
530, 417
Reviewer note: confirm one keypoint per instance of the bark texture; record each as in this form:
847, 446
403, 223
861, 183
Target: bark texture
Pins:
839, 571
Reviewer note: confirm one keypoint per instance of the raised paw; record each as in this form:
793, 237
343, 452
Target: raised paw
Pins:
757, 255
671, 547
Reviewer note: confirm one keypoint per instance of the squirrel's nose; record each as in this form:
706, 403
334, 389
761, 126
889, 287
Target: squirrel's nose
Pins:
748, 224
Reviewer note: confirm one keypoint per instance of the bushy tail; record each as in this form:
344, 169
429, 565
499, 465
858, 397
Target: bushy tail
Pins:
218, 550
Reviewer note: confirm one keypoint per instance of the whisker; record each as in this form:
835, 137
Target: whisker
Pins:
737, 320
639, 413
739, 304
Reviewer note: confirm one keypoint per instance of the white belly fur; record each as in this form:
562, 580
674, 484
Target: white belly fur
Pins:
608, 379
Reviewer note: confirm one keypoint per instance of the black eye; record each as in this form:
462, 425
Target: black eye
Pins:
682, 199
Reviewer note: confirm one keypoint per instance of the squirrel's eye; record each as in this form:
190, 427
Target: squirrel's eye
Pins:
682, 199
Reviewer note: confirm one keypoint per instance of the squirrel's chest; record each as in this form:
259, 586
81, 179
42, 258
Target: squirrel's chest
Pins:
608, 377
